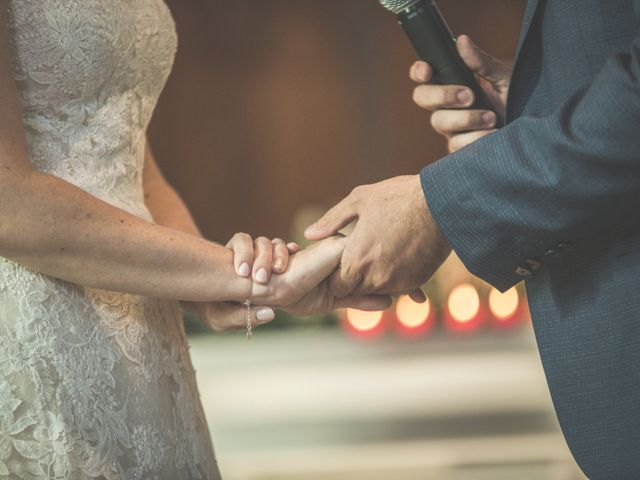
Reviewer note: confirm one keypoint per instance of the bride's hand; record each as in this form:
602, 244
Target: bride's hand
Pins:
260, 257
303, 289
257, 258
307, 269
223, 317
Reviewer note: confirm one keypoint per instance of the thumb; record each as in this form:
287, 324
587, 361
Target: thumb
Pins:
479, 61
333, 221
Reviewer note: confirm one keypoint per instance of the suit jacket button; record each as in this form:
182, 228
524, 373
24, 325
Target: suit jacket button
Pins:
523, 272
533, 264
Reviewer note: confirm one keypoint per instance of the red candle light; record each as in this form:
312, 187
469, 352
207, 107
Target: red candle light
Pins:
412, 318
464, 312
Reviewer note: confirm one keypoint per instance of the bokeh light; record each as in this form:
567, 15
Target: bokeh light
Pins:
414, 318
464, 303
411, 314
364, 323
464, 311
504, 306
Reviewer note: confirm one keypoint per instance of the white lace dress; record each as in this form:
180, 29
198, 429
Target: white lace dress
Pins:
94, 384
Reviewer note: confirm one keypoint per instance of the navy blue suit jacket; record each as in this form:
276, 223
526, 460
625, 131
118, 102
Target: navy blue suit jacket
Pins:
554, 197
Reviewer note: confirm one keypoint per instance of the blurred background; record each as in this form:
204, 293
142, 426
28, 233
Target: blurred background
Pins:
276, 109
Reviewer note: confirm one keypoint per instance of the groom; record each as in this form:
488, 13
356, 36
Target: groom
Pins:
552, 198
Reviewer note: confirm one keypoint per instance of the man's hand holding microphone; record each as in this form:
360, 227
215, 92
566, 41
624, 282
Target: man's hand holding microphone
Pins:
449, 103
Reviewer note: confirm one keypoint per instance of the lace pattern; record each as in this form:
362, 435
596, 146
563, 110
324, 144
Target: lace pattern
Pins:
94, 384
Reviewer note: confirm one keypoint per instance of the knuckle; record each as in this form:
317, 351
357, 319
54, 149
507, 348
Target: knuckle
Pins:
379, 281
354, 272
348, 271
357, 193
461, 121
262, 260
243, 237
379, 257
356, 190
476, 119
443, 96
467, 119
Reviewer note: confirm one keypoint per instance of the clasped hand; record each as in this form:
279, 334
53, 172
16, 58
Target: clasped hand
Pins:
286, 277
396, 245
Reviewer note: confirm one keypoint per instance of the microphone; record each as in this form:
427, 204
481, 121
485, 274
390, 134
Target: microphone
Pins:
432, 38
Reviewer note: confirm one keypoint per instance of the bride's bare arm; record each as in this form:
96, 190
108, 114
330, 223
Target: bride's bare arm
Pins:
53, 227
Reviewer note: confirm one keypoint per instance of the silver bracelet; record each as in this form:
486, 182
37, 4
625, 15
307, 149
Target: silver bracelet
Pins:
247, 303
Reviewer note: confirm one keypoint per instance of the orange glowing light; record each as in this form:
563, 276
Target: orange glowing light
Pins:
464, 303
504, 305
412, 315
363, 321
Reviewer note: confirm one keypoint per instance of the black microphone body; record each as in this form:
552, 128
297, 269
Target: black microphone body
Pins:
435, 44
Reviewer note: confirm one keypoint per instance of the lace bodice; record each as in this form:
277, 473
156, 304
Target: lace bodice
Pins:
94, 384
90, 73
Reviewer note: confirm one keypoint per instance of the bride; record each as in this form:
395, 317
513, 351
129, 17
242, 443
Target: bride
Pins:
98, 254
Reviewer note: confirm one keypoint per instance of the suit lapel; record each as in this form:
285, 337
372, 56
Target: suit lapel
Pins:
529, 15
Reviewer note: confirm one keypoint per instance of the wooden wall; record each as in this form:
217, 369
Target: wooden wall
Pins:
275, 105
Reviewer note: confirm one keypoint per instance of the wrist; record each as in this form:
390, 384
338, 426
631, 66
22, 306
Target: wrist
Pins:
419, 202
427, 220
242, 289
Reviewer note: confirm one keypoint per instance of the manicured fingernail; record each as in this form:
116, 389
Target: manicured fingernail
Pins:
279, 264
244, 269
262, 276
265, 314
311, 229
464, 97
488, 118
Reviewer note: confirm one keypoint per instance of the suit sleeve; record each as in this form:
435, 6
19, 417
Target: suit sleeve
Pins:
510, 200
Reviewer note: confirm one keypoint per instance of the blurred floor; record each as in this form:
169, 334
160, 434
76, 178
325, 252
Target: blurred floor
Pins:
316, 404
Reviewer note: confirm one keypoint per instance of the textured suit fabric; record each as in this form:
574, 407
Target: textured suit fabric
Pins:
565, 170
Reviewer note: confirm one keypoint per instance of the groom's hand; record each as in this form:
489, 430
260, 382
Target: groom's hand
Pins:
447, 102
396, 245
